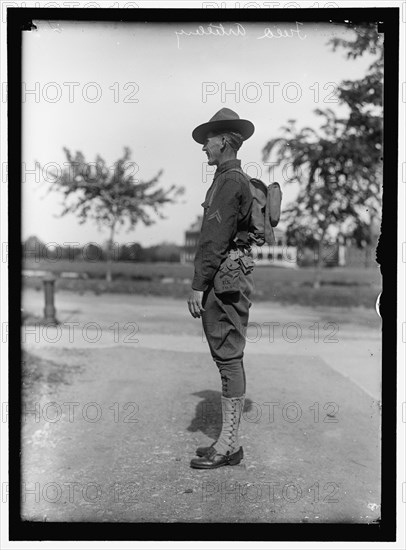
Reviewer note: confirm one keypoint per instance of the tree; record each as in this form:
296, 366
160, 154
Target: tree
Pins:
34, 248
364, 98
338, 168
165, 252
111, 198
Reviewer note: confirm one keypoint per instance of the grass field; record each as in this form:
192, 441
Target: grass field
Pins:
341, 286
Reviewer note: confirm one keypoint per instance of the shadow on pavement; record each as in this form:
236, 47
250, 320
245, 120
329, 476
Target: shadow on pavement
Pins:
208, 413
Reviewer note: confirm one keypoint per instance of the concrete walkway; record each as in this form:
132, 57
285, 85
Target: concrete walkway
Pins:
113, 441
349, 341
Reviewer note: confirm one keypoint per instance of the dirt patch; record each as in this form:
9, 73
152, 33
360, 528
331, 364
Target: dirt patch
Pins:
41, 375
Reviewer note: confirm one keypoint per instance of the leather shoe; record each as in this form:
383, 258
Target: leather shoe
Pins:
214, 460
202, 451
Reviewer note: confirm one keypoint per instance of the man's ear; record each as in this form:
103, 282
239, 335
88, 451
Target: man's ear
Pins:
223, 142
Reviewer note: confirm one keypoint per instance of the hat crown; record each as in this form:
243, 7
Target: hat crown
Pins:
224, 114
224, 120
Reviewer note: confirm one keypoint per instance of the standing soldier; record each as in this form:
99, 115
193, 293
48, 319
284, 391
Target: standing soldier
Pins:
222, 281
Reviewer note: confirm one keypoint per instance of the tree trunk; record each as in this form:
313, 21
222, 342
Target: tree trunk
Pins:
370, 242
367, 259
319, 267
109, 269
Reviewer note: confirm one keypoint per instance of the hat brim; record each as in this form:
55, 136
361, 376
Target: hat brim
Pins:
244, 127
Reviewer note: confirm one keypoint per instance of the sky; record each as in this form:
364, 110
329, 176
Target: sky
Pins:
99, 87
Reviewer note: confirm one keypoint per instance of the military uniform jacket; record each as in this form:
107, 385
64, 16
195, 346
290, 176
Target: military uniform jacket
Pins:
226, 219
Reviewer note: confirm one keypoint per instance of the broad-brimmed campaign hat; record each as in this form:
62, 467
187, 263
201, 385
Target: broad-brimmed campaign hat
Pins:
224, 120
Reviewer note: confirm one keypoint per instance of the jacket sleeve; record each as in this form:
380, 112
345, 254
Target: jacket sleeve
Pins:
218, 230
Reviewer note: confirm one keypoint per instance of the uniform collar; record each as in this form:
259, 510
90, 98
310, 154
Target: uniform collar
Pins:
233, 163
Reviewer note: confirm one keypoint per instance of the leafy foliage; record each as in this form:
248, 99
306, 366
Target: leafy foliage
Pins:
338, 167
111, 196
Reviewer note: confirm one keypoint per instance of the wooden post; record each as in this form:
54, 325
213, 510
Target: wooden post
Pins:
49, 290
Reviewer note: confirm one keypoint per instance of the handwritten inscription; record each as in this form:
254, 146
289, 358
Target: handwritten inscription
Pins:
237, 29
214, 30
283, 33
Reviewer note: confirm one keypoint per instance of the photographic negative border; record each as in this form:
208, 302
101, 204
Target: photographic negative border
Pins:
19, 20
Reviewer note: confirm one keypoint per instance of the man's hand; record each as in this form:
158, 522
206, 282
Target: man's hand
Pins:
194, 303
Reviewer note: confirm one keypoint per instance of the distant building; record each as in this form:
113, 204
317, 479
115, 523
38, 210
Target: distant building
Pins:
279, 254
339, 253
191, 237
